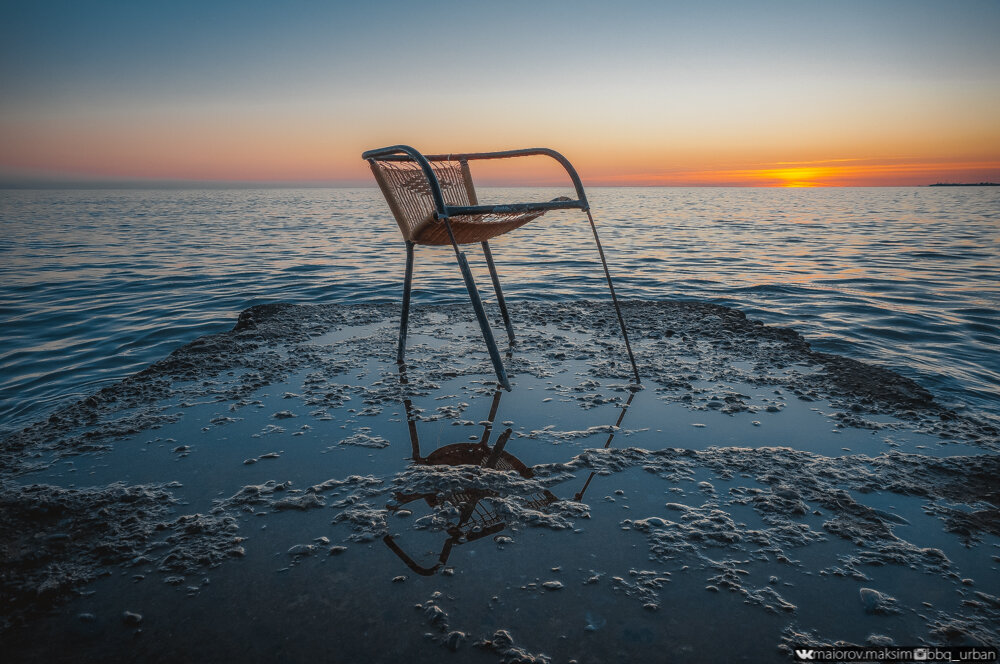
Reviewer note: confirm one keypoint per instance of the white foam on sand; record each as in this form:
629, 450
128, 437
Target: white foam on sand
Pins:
816, 499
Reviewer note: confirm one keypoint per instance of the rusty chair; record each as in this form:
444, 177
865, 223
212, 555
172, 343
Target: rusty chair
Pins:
434, 201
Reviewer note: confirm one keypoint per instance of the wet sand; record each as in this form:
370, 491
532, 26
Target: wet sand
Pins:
284, 490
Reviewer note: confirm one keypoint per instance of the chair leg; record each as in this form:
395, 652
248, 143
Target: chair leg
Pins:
499, 291
484, 324
614, 298
404, 317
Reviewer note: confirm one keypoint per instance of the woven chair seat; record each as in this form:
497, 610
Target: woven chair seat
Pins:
409, 194
471, 227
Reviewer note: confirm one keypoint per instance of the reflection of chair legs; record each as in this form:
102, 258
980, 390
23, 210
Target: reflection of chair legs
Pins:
488, 427
621, 416
477, 513
457, 536
414, 565
411, 423
477, 517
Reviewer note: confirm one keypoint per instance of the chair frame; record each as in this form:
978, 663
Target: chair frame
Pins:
444, 213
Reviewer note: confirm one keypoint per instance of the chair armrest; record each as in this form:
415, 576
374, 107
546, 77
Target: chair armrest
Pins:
406, 153
530, 152
392, 154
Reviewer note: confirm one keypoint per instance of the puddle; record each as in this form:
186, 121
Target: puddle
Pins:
286, 481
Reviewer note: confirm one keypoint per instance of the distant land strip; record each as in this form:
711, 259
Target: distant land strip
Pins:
965, 184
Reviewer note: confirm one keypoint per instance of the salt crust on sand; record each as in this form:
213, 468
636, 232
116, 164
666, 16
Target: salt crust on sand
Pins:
55, 540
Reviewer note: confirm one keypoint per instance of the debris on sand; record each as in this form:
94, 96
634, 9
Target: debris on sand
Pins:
502, 643
725, 498
877, 603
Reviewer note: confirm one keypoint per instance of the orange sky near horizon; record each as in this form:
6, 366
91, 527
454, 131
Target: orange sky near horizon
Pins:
662, 94
217, 152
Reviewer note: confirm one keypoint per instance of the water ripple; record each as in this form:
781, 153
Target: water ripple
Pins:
95, 285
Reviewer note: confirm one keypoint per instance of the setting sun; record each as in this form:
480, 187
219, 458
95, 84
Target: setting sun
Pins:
798, 177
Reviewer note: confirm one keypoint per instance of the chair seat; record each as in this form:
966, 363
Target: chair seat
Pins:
471, 227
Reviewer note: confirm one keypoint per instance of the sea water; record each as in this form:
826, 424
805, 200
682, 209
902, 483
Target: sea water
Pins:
97, 284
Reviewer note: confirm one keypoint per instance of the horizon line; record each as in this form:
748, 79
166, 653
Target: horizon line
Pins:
26, 184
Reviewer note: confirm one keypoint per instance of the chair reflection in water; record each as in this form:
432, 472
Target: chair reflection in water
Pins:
434, 201
477, 516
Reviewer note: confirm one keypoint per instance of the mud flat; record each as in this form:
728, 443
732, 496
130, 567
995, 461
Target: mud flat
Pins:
284, 490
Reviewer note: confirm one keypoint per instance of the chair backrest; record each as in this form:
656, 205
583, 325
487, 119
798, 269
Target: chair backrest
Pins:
408, 193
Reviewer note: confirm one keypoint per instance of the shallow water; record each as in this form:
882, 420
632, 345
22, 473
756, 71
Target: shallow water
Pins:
95, 285
670, 527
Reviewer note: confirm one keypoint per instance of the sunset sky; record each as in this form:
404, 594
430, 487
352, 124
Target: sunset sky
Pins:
634, 93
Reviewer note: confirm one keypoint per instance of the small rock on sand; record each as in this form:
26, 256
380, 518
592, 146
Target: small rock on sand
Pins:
876, 602
454, 640
302, 550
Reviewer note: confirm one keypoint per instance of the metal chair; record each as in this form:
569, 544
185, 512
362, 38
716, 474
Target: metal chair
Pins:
434, 201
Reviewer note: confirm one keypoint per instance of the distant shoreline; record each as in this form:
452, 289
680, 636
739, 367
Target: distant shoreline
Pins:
965, 184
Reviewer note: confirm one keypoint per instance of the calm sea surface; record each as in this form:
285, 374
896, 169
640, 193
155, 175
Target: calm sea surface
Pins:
95, 285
